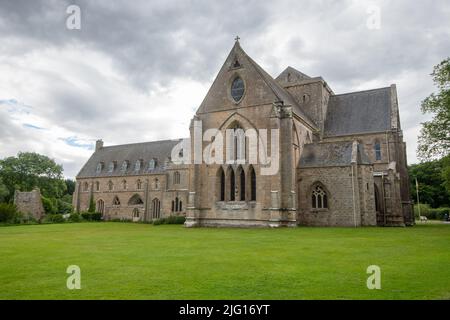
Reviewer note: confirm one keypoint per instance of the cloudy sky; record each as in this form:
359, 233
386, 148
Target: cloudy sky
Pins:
138, 70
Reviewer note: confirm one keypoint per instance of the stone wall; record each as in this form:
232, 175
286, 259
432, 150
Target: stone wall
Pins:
29, 203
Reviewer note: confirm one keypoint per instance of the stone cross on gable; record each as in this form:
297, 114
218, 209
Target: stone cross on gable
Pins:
237, 38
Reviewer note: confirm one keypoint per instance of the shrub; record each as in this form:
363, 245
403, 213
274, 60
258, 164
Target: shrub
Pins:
96, 216
9, 213
54, 218
170, 220
92, 216
75, 217
49, 206
430, 213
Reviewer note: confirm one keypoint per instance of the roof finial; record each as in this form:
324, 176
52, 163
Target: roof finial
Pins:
237, 39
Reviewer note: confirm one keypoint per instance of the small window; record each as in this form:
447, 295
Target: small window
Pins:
237, 89
176, 177
124, 166
116, 201
156, 183
97, 186
137, 165
85, 186
377, 148
110, 186
124, 184
139, 184
152, 164
112, 166
99, 167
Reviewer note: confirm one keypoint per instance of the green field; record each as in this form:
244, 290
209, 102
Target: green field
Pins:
138, 261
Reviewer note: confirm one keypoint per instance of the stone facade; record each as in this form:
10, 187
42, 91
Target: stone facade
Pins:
342, 159
29, 203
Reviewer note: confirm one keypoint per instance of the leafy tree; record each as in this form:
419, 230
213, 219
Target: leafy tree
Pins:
431, 182
434, 138
70, 186
4, 192
30, 170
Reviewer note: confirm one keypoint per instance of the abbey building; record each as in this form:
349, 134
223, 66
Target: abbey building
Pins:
340, 158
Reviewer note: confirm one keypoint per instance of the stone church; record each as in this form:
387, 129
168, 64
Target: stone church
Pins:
342, 158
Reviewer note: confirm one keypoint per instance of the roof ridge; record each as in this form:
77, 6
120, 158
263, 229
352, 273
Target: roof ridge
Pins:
275, 87
361, 91
143, 142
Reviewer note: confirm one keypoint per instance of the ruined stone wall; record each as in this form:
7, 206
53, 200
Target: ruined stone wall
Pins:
29, 203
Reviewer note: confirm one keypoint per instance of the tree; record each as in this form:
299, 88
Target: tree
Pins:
4, 192
432, 189
31, 170
70, 186
434, 138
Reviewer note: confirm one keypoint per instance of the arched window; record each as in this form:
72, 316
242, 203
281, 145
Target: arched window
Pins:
156, 208
97, 186
176, 204
101, 206
86, 186
176, 177
124, 184
221, 186
180, 206
116, 201
231, 184
173, 206
377, 149
156, 183
139, 184
252, 184
319, 198
110, 185
135, 200
237, 149
241, 176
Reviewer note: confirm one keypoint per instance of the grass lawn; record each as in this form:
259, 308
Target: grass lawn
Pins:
138, 261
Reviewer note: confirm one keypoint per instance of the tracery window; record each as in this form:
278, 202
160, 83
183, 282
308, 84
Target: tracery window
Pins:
319, 198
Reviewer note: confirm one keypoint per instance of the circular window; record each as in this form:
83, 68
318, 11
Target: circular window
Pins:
237, 89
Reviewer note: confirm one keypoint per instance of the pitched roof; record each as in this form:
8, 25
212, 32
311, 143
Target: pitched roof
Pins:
358, 112
331, 154
217, 95
159, 150
280, 92
291, 74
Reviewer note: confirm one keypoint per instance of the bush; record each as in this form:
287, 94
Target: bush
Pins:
49, 206
75, 217
430, 213
170, 220
54, 218
94, 216
9, 213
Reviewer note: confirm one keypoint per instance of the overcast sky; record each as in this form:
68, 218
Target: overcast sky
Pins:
138, 70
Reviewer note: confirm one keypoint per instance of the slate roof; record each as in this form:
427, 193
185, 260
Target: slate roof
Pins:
359, 112
295, 76
331, 154
158, 150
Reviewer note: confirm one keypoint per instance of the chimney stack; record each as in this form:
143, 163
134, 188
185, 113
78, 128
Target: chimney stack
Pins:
98, 144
